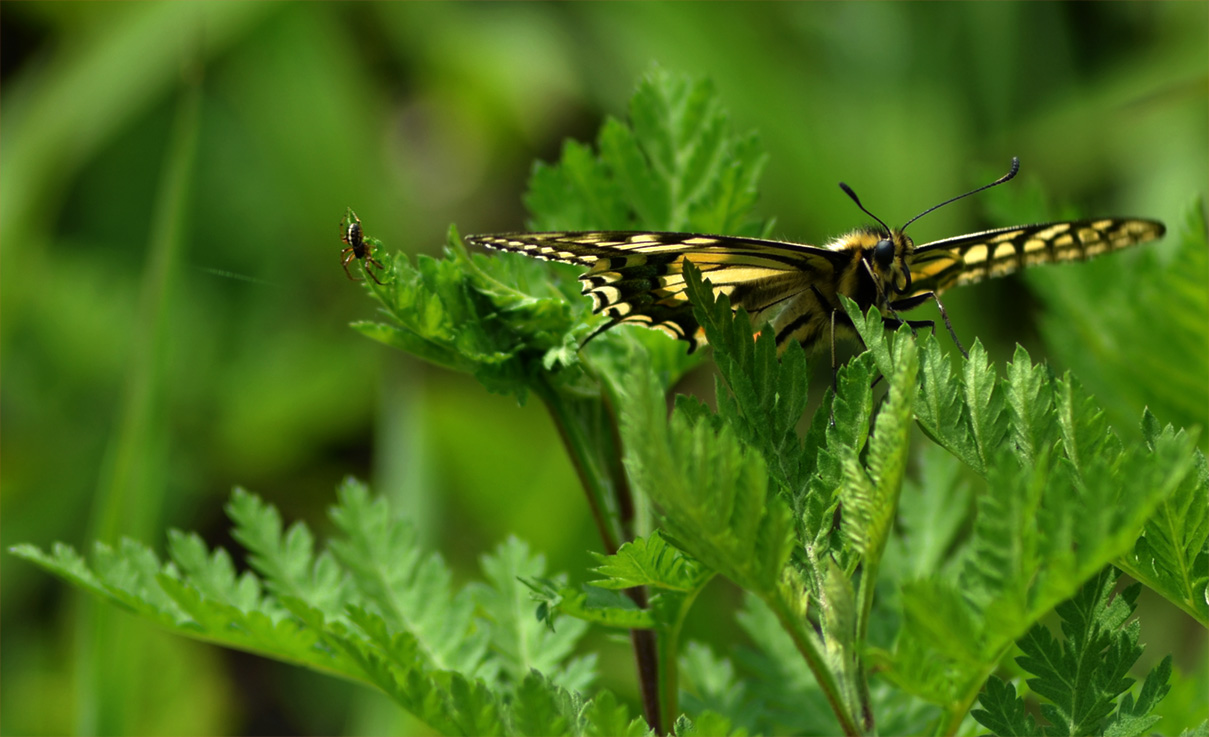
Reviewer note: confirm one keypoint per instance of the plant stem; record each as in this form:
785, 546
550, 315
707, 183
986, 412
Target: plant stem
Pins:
814, 659
598, 479
592, 480
864, 607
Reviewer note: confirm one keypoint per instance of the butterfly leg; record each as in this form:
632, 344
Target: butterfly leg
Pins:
893, 323
919, 299
836, 316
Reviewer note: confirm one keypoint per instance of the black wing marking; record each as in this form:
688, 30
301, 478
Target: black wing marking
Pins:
967, 259
638, 277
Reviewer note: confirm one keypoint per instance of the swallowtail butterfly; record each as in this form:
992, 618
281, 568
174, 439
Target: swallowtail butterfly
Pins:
637, 277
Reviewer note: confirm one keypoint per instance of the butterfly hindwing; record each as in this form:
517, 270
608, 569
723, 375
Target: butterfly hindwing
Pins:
967, 259
638, 277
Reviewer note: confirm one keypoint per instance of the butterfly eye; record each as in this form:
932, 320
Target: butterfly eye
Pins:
883, 253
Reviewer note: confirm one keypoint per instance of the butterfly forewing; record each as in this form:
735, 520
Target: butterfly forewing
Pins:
967, 259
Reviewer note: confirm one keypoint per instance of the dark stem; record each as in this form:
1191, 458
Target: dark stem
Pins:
595, 487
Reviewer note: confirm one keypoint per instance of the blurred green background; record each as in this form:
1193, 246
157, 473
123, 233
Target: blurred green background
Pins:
175, 316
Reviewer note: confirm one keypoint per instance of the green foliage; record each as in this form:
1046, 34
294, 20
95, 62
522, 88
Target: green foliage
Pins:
675, 167
713, 493
672, 579
1172, 555
1081, 677
470, 314
1063, 501
372, 607
1024, 499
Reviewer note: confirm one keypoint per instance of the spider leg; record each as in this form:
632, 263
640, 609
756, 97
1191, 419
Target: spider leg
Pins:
352, 254
370, 260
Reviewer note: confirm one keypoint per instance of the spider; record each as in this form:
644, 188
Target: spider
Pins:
358, 246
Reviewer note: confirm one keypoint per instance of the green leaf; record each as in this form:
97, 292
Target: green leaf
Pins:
767, 396
1134, 717
1082, 677
713, 493
940, 412
1002, 712
520, 641
408, 588
707, 723
1030, 400
603, 716
472, 314
1172, 556
870, 496
576, 194
541, 708
851, 409
372, 608
651, 562
984, 405
938, 409
286, 558
1042, 529
675, 167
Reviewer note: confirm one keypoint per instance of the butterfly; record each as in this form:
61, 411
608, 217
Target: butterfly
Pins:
359, 247
638, 277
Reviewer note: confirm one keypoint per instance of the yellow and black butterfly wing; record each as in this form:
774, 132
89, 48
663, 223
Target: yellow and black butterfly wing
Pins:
638, 277
966, 259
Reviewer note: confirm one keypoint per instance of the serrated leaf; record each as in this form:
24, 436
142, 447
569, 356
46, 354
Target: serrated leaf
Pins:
1172, 556
285, 558
409, 588
521, 642
1002, 712
984, 404
603, 716
1029, 393
871, 498
651, 562
1082, 677
766, 395
674, 167
539, 707
713, 492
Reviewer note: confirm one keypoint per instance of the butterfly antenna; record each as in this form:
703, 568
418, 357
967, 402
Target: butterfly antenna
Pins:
1000, 180
848, 191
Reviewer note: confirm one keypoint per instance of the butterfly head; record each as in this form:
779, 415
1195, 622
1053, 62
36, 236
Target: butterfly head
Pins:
887, 257
885, 254
890, 260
